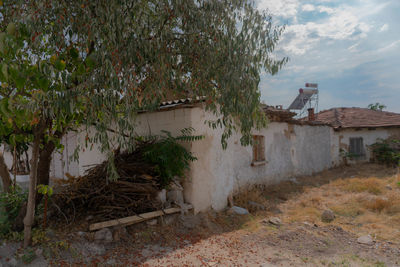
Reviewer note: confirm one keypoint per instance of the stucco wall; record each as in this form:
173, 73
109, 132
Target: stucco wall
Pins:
290, 150
150, 123
341, 139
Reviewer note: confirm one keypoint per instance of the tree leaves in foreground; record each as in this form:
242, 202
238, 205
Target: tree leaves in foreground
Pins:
98, 63
145, 51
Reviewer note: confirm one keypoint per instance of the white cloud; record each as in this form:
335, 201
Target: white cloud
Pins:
353, 48
281, 8
389, 46
384, 28
325, 9
342, 23
308, 7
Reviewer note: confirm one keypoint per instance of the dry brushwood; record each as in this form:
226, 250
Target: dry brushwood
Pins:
133, 193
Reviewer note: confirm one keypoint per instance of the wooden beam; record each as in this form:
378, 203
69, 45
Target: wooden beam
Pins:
135, 219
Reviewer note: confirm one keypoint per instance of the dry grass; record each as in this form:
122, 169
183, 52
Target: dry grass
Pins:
365, 199
250, 194
371, 185
363, 203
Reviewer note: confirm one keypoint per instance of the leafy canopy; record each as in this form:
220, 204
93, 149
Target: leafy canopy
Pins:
110, 59
376, 106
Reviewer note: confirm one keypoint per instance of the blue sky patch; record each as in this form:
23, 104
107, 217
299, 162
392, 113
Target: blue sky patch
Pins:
350, 48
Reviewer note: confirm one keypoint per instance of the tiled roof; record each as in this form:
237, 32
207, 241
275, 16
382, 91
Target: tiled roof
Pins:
358, 118
179, 102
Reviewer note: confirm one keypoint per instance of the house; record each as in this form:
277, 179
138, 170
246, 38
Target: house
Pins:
285, 149
355, 129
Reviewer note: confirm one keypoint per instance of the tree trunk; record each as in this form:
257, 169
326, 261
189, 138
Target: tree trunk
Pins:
5, 175
43, 177
30, 210
43, 171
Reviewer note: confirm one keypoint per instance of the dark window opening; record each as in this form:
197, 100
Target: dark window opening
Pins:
356, 146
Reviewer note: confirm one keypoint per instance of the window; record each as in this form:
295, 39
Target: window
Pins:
258, 149
356, 146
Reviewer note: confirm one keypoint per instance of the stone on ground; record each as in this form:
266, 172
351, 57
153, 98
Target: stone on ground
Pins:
275, 221
238, 210
152, 222
104, 234
327, 216
256, 206
366, 239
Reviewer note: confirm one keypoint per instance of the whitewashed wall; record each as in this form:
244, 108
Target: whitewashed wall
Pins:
290, 150
341, 139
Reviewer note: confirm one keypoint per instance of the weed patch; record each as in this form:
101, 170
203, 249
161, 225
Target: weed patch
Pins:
357, 185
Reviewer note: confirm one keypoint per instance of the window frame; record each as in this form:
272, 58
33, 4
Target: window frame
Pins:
356, 146
258, 148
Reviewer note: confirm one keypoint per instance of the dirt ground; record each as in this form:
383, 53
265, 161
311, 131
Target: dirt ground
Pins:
364, 198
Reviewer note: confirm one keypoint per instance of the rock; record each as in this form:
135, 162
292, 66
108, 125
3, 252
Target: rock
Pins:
366, 239
12, 262
152, 222
111, 262
39, 252
388, 187
81, 234
93, 249
256, 206
104, 234
238, 210
327, 216
275, 221
50, 233
275, 210
119, 232
162, 197
169, 219
191, 221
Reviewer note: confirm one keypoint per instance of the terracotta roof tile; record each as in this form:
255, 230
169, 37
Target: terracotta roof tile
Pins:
358, 118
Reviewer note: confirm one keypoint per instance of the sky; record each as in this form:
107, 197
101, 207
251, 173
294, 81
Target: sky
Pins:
351, 48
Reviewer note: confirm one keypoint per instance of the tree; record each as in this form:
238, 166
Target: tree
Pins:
376, 106
110, 59
33, 103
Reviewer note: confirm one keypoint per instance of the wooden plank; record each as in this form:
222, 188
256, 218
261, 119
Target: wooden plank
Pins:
135, 219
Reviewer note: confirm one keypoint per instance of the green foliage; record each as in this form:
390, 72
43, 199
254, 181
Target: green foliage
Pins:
39, 237
14, 236
387, 152
345, 154
376, 106
122, 57
28, 256
45, 190
10, 204
171, 157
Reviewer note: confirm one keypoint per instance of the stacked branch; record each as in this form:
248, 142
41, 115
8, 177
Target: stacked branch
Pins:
93, 194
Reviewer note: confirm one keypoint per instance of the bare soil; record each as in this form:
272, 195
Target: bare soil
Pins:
223, 239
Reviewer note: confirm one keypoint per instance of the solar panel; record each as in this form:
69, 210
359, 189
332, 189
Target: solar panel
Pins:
303, 97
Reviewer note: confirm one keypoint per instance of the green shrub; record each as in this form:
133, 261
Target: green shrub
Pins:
387, 152
169, 155
10, 204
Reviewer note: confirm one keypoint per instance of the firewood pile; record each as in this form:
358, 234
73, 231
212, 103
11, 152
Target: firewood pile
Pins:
133, 193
